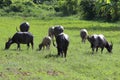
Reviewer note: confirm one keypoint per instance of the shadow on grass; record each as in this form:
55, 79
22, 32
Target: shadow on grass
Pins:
51, 55
97, 53
15, 50
88, 53
10, 50
111, 28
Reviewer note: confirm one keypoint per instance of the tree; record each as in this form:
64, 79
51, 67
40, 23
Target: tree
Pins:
108, 9
5, 3
87, 8
41, 1
69, 7
38, 1
115, 6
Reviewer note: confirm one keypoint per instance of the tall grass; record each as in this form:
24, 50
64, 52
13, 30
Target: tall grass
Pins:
44, 65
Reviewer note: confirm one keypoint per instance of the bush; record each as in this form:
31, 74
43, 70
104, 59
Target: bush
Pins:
21, 9
27, 9
69, 7
5, 3
17, 7
87, 8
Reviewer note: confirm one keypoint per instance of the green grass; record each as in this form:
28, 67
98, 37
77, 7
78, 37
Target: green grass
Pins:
43, 65
21, 1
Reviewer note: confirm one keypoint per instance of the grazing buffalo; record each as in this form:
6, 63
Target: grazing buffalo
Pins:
20, 38
45, 42
99, 41
24, 27
62, 41
83, 34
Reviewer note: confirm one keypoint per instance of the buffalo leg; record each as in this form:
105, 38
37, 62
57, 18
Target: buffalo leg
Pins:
59, 51
93, 50
40, 46
32, 44
18, 46
65, 53
102, 49
97, 49
28, 46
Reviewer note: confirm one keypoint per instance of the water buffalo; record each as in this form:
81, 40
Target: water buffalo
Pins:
62, 41
58, 29
54, 31
83, 34
45, 42
51, 32
24, 27
99, 41
20, 38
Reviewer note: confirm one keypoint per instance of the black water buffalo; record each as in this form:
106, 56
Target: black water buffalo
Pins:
24, 27
55, 30
62, 41
99, 41
58, 29
20, 38
83, 34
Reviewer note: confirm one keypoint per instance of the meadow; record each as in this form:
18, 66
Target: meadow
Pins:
80, 63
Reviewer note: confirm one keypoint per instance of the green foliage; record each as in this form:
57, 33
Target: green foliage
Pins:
43, 1
38, 1
5, 3
27, 8
108, 10
17, 7
87, 7
69, 7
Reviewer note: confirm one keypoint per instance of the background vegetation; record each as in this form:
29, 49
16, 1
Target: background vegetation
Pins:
107, 10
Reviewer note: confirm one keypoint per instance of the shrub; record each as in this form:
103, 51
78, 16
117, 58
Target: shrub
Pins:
69, 7
87, 8
5, 3
17, 7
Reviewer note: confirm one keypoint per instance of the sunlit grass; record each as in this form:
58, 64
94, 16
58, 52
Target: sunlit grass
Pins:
44, 65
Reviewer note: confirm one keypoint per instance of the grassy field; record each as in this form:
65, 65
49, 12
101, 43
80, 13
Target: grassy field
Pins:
43, 65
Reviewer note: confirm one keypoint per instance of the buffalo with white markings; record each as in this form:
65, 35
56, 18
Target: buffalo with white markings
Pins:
99, 41
55, 31
83, 35
62, 41
46, 42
